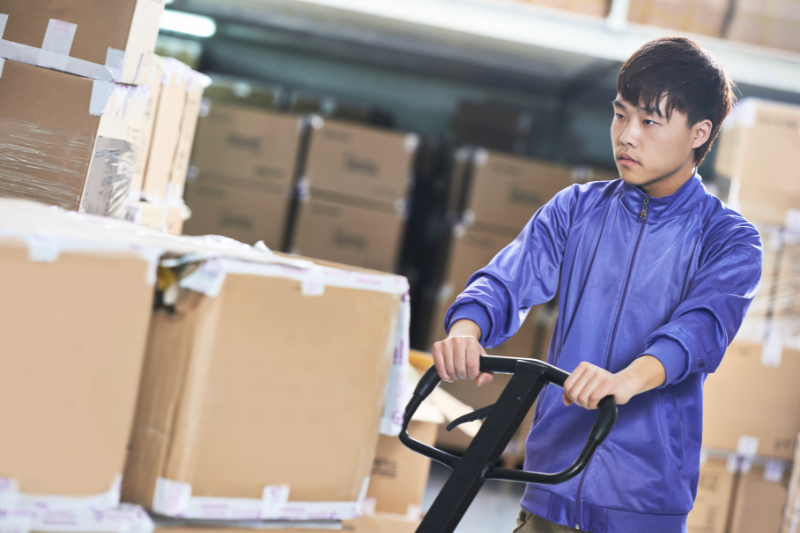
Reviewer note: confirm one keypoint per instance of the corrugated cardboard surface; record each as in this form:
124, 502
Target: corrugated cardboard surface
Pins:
166, 131
760, 153
759, 503
507, 191
597, 8
74, 334
705, 17
363, 162
773, 23
50, 137
239, 390
714, 496
736, 402
349, 233
127, 25
180, 164
399, 476
154, 82
248, 213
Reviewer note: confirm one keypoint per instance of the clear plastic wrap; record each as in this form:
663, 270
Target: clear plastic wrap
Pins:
64, 168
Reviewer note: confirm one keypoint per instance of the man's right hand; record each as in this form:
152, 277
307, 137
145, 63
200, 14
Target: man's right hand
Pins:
458, 356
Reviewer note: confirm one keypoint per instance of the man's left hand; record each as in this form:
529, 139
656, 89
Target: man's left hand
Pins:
589, 384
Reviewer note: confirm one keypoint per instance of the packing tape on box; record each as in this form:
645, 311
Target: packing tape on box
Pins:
124, 518
174, 499
12, 497
54, 53
47, 248
210, 276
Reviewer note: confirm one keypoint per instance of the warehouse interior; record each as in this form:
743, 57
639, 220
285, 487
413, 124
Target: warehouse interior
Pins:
307, 186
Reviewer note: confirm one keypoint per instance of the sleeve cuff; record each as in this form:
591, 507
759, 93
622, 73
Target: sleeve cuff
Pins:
469, 311
671, 355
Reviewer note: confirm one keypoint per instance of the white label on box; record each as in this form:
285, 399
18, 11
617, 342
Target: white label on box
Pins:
313, 283
746, 450
173, 498
773, 471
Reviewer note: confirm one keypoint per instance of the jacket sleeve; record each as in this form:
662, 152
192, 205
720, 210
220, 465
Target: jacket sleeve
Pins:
705, 322
525, 273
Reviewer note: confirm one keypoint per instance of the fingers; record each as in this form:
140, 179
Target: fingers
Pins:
587, 385
438, 361
459, 358
484, 378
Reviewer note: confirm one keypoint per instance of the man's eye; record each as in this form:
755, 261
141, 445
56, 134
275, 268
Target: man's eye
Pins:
618, 115
648, 122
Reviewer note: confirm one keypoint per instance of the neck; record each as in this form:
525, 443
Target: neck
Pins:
670, 183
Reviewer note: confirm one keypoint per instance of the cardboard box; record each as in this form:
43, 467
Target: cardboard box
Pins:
176, 215
596, 8
180, 165
705, 17
714, 497
247, 145
146, 138
74, 326
68, 141
354, 233
399, 475
506, 191
381, 523
247, 213
166, 129
111, 41
244, 377
774, 24
367, 163
759, 500
745, 398
791, 517
243, 92
472, 250
759, 151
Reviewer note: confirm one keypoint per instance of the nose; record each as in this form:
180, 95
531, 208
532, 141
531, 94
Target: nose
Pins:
629, 136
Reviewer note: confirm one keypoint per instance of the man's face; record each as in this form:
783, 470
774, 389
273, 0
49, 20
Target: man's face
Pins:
648, 147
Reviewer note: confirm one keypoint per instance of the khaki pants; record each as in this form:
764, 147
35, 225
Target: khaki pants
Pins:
530, 523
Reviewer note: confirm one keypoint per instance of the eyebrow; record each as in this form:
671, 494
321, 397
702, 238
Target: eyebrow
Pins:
620, 105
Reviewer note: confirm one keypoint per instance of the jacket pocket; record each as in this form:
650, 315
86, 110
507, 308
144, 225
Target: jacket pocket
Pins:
672, 424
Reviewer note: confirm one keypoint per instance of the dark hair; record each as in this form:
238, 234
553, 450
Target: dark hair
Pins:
687, 75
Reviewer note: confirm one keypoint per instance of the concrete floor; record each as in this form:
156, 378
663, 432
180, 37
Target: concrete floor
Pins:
495, 509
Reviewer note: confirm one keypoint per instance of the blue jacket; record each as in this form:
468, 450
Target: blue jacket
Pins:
670, 277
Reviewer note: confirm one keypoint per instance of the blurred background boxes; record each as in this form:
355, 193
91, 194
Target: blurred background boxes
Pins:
244, 165
116, 39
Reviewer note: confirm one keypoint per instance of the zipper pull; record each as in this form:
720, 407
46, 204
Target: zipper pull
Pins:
643, 214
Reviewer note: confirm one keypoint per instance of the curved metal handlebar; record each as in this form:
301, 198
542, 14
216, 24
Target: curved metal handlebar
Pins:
607, 416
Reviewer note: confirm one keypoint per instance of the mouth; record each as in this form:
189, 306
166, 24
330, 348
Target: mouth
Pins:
626, 160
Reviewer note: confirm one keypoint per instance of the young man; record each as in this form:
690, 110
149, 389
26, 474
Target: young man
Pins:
654, 276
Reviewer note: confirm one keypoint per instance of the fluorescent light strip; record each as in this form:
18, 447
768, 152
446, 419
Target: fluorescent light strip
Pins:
187, 23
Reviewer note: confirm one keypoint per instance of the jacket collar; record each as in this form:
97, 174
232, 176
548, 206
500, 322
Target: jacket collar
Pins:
684, 198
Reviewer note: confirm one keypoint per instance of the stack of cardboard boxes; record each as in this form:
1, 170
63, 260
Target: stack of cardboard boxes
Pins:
244, 165
705, 17
752, 407
79, 98
352, 196
234, 397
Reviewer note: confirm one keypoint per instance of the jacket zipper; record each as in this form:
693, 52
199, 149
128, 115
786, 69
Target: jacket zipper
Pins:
643, 218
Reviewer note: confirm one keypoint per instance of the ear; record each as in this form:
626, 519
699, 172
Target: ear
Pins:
701, 132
